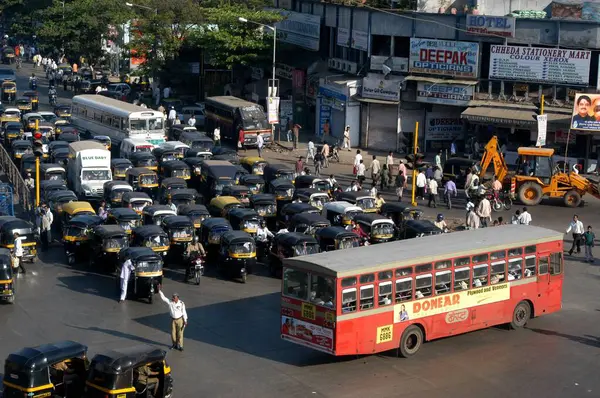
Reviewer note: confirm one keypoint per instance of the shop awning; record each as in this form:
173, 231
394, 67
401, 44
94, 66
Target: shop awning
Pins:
511, 116
441, 81
373, 101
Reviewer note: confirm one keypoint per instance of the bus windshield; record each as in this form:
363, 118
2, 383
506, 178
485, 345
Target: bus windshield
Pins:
95, 175
156, 123
253, 118
138, 124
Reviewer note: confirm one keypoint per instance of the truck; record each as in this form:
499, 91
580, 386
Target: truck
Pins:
537, 176
88, 169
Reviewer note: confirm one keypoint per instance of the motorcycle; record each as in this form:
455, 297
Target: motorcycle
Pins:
334, 155
263, 247
33, 84
194, 268
499, 201
19, 63
52, 100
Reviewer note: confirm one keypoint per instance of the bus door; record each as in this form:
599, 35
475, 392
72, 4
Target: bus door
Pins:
555, 281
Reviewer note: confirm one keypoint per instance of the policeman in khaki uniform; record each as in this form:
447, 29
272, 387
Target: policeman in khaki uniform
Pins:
179, 318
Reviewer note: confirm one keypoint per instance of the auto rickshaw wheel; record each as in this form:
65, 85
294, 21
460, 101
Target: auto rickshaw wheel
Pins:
150, 298
11, 300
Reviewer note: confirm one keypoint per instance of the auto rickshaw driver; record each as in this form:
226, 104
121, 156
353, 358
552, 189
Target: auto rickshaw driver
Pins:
147, 378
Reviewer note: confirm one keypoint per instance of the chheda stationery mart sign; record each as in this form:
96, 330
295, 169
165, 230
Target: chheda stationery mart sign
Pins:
444, 57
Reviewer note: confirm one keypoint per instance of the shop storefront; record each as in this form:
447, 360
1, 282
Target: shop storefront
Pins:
336, 108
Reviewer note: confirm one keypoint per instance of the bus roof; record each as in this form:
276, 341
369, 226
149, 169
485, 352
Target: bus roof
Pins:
231, 101
112, 105
374, 258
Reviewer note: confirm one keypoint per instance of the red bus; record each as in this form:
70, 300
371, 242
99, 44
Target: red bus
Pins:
398, 295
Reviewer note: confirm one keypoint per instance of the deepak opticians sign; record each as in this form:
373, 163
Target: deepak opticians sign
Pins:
446, 94
444, 57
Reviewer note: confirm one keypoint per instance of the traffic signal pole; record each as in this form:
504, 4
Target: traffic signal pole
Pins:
37, 181
414, 173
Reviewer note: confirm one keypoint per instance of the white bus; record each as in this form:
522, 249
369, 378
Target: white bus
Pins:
117, 119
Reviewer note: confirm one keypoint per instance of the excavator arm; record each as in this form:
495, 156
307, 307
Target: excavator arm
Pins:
584, 185
493, 156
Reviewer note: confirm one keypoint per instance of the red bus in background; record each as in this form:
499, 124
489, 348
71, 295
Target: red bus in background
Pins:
233, 114
398, 295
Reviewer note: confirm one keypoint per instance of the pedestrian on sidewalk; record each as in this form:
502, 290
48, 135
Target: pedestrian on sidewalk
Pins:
290, 133
296, 130
347, 139
357, 160
589, 238
438, 160
46, 219
450, 191
385, 180
126, 269
310, 154
437, 175
260, 142
375, 168
432, 187
389, 160
179, 318
325, 153
484, 211
400, 185
299, 165
577, 227
421, 183
525, 217
360, 172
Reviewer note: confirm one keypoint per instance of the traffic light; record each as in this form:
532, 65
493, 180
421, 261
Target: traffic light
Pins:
38, 144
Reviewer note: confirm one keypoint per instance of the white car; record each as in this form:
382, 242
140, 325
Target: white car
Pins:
121, 88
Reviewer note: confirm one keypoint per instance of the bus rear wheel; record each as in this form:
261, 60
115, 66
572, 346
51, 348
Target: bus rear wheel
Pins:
521, 315
411, 341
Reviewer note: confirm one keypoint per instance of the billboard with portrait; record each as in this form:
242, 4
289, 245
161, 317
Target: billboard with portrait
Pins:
586, 112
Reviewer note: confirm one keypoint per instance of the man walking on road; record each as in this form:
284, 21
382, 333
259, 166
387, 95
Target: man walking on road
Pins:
126, 270
577, 227
260, 142
484, 211
18, 254
179, 318
589, 238
375, 168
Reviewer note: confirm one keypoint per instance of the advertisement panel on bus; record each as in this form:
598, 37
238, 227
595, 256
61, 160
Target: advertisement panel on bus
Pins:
315, 336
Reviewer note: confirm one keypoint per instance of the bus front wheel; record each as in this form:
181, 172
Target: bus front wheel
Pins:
411, 341
521, 315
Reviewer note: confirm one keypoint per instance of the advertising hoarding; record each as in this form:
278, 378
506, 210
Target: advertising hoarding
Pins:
444, 57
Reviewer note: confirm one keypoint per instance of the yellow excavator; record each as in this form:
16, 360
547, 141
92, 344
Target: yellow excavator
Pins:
536, 176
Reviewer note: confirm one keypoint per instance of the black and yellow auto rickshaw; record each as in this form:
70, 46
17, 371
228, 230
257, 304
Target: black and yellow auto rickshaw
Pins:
240, 192
214, 175
49, 186
23, 104
142, 179
52, 172
115, 374
181, 232
119, 167
7, 285
26, 231
34, 99
418, 229
237, 255
18, 148
12, 131
225, 154
54, 145
144, 159
399, 213
363, 199
195, 165
290, 244
76, 236
28, 164
274, 171
308, 223
314, 182
220, 206
198, 213
8, 55
106, 243
336, 238
57, 199
148, 272
155, 214
197, 141
312, 196
246, 220
186, 196
379, 228
9, 91
340, 212
136, 200
63, 111
114, 190
48, 370
126, 218
167, 185
210, 235
255, 183
176, 168
77, 208
104, 140
164, 154
254, 164
152, 236
291, 209
266, 206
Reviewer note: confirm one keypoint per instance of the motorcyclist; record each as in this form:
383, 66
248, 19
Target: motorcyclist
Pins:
441, 223
192, 251
263, 236
52, 94
32, 81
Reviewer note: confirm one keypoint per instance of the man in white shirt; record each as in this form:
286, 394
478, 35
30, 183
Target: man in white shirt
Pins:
18, 254
525, 217
360, 172
179, 318
472, 219
260, 142
347, 138
357, 160
375, 168
420, 183
432, 186
217, 136
390, 159
263, 233
332, 181
192, 121
484, 211
172, 116
438, 160
126, 269
98, 89
577, 227
310, 154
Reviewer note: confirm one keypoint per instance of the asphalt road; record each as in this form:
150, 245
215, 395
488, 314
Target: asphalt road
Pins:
233, 349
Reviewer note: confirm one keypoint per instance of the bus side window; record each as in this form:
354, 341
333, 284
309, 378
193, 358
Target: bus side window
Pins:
349, 300
404, 291
498, 272
443, 282
556, 262
543, 265
367, 297
385, 293
530, 266
515, 269
480, 275
423, 286
462, 280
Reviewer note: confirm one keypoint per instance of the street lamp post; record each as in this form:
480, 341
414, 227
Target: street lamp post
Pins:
274, 30
155, 10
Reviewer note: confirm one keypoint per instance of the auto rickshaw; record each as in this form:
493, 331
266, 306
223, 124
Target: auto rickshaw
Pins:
308, 223
379, 228
417, 229
282, 188
340, 212
186, 196
197, 141
104, 140
274, 171
8, 55
26, 231
155, 214
52, 172
49, 186
399, 213
57, 199
290, 244
266, 207
23, 104
198, 213
215, 174
72, 209
12, 114
336, 238
179, 147
310, 181
210, 235
225, 154
167, 185
162, 155
34, 99
20, 147
68, 137
312, 196
128, 219
28, 164
195, 165
237, 255
144, 159
255, 183
63, 111
176, 130
32, 371
142, 180
9, 91
240, 192
220, 206
181, 233
176, 168
136, 200
119, 167
7, 284
76, 236
114, 374
12, 131
246, 220
106, 243
152, 236
291, 209
114, 190
148, 272
60, 156
254, 164
361, 199
54, 145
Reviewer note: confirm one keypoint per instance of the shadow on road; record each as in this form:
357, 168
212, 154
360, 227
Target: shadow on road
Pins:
90, 283
120, 335
592, 341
